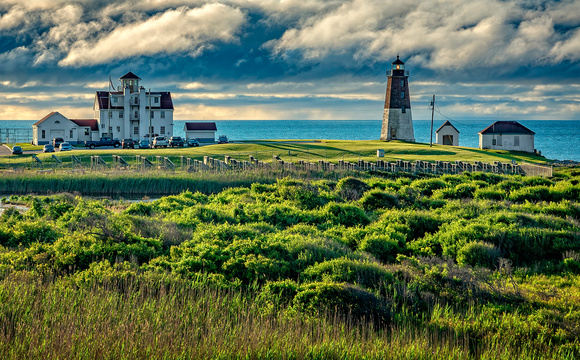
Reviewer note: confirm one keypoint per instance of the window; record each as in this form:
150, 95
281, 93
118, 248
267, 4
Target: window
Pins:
516, 140
136, 130
402, 83
102, 125
115, 99
118, 129
71, 134
163, 114
151, 129
43, 134
402, 94
493, 142
152, 114
110, 129
162, 131
137, 114
87, 132
403, 109
156, 100
121, 114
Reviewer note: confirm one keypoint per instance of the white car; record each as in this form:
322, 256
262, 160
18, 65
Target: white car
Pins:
160, 141
65, 146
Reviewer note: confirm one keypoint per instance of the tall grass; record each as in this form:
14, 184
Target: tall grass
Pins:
135, 319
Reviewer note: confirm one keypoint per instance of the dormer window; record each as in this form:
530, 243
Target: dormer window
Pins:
156, 100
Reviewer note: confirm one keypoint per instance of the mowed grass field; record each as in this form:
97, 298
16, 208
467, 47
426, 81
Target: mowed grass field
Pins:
288, 150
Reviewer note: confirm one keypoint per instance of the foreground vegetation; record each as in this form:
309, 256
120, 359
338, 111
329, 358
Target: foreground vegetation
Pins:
459, 267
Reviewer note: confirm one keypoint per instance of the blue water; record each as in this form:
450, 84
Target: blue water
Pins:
555, 139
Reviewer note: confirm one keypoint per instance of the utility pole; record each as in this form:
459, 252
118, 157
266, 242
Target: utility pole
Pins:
432, 114
149, 113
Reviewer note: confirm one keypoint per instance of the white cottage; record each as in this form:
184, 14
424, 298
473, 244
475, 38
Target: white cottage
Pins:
202, 131
56, 125
132, 112
507, 135
447, 134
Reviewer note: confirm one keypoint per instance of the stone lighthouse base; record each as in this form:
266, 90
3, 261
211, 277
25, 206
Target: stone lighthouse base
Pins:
397, 125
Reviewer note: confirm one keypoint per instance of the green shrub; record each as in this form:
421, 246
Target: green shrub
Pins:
489, 193
351, 188
378, 199
479, 254
367, 274
383, 247
428, 186
347, 299
345, 214
536, 193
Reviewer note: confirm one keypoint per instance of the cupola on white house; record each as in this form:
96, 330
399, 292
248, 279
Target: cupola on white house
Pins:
130, 111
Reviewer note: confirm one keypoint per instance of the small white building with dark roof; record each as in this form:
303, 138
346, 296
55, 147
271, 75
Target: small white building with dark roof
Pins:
204, 132
447, 134
507, 135
56, 125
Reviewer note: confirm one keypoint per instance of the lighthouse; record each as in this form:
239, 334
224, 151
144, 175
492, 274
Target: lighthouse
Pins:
397, 119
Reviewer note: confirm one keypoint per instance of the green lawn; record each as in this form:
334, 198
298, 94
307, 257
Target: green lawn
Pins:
329, 150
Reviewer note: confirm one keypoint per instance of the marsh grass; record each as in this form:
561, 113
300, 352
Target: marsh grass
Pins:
54, 317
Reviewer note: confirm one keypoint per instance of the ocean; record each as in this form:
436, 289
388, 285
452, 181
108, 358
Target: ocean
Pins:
556, 139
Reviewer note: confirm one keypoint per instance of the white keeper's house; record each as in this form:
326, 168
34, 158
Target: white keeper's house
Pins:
507, 135
128, 111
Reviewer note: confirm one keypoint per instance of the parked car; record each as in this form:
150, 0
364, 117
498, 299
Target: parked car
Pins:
57, 141
104, 141
176, 141
144, 144
222, 139
160, 141
65, 147
192, 142
48, 148
128, 143
16, 150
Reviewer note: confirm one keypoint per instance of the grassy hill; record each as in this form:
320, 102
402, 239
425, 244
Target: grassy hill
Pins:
328, 150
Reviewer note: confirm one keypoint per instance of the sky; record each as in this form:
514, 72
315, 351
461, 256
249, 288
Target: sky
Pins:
294, 59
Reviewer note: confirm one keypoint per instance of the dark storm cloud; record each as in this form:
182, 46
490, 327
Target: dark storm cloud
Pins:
325, 58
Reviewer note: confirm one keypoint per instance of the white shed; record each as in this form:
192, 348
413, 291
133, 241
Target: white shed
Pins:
202, 131
54, 125
447, 134
507, 135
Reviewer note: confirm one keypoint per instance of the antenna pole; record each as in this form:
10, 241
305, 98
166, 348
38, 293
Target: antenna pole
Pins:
432, 114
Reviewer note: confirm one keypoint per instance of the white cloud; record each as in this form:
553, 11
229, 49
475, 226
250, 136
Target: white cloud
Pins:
14, 17
180, 30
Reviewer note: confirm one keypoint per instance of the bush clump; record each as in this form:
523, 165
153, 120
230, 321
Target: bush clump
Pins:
351, 188
480, 254
379, 199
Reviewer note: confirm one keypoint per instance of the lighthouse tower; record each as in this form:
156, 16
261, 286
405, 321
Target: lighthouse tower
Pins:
397, 120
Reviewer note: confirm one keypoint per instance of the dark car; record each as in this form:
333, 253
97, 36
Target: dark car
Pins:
176, 141
192, 142
16, 150
223, 139
57, 141
128, 143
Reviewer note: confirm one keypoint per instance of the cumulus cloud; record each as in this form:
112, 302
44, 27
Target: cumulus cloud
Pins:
183, 29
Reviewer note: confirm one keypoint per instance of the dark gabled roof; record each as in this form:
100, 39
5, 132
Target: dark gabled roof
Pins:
506, 127
92, 123
446, 123
103, 100
166, 102
129, 75
398, 61
44, 118
209, 126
